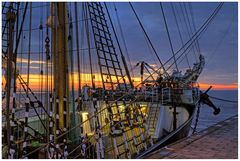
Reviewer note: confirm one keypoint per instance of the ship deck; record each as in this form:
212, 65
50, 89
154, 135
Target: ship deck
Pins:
219, 141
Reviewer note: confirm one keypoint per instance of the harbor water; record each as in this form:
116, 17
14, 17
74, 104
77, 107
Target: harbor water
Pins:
207, 119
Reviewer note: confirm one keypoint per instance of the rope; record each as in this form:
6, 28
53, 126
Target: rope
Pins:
71, 57
98, 135
29, 46
188, 28
51, 126
224, 100
122, 36
41, 53
47, 57
27, 103
65, 148
187, 51
66, 23
193, 22
89, 45
12, 147
197, 35
179, 32
31, 104
78, 53
37, 52
169, 37
35, 97
21, 27
224, 34
40, 59
120, 49
145, 33
101, 110
40, 6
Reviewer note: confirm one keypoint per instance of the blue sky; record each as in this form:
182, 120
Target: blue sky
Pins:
219, 44
221, 61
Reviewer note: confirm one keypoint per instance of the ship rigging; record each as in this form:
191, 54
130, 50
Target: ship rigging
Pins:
109, 113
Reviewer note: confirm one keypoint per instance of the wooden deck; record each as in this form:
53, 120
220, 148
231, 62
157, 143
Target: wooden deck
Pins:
219, 141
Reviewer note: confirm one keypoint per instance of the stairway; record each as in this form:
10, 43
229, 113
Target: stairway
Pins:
153, 117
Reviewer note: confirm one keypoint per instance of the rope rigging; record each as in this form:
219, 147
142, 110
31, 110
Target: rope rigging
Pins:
27, 103
21, 63
40, 60
194, 25
187, 51
80, 124
220, 41
196, 44
89, 44
194, 37
12, 146
119, 47
58, 140
123, 37
224, 100
78, 52
41, 52
179, 32
169, 37
197, 35
71, 62
188, 27
201, 30
29, 45
21, 27
145, 33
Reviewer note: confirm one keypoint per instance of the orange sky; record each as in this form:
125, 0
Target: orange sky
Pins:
232, 86
34, 82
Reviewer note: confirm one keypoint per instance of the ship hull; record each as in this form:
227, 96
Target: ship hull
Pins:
180, 133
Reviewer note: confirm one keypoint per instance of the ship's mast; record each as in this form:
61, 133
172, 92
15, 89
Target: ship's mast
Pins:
11, 21
60, 63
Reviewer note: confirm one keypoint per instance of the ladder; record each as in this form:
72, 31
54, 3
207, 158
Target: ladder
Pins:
153, 117
110, 69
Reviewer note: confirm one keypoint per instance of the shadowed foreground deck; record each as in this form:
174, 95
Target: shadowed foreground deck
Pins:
219, 141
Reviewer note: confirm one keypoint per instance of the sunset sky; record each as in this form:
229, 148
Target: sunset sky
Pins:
218, 44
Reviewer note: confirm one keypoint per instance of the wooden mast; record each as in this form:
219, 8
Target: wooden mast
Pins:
10, 20
60, 62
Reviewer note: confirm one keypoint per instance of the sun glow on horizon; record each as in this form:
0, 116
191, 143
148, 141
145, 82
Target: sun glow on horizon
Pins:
233, 86
35, 83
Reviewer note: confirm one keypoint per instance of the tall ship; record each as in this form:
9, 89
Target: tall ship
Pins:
88, 104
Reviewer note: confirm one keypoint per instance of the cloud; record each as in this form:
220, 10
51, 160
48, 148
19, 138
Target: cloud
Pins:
31, 67
23, 60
